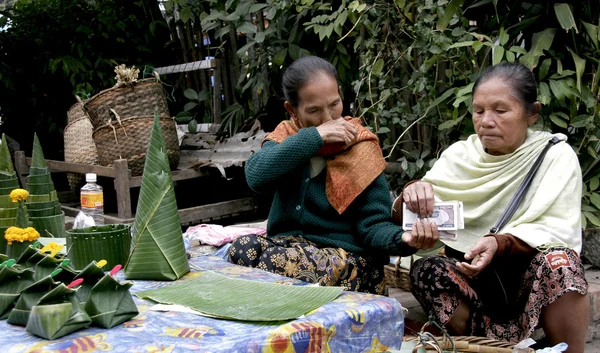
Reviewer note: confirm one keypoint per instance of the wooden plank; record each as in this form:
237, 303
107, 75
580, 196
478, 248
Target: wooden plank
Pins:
198, 213
182, 174
122, 187
74, 211
59, 166
217, 94
186, 67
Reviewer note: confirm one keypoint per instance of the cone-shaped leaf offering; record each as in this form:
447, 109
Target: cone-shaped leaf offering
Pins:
109, 303
12, 281
157, 250
22, 219
47, 217
50, 318
6, 165
91, 274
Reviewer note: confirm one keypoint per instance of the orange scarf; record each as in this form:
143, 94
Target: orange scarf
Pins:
350, 171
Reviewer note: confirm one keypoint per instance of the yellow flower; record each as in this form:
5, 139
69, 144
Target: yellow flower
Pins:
53, 248
19, 195
19, 234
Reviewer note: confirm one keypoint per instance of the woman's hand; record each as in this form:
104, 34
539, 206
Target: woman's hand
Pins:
481, 255
338, 131
423, 236
418, 198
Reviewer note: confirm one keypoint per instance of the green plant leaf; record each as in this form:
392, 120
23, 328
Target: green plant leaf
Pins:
377, 67
189, 106
498, 54
203, 95
190, 93
294, 51
240, 299
453, 8
592, 218
183, 117
544, 67
510, 56
579, 67
193, 126
462, 44
246, 28
157, 250
449, 124
565, 17
503, 37
592, 31
595, 199
279, 57
185, 14
540, 41
594, 183
242, 51
257, 7
260, 37
558, 121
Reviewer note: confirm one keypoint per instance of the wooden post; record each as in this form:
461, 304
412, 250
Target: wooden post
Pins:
217, 93
122, 189
21, 167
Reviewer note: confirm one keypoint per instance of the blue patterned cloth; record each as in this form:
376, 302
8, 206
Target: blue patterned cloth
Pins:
354, 322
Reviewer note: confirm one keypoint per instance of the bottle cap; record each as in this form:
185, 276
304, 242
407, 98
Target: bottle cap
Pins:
90, 177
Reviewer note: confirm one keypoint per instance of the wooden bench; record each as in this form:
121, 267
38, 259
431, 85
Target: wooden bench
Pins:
123, 182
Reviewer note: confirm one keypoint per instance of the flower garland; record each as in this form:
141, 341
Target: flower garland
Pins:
13, 234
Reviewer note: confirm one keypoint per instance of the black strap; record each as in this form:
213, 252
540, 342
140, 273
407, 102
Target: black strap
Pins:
514, 203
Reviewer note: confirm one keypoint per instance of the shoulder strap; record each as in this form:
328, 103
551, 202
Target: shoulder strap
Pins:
517, 198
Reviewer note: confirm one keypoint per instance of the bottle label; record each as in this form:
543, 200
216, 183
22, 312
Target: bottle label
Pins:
92, 200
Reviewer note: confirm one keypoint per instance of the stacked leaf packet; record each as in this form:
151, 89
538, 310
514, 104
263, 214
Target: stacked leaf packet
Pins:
157, 250
43, 206
106, 300
8, 182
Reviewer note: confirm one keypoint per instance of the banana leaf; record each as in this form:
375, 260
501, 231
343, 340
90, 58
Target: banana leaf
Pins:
12, 281
51, 226
109, 242
7, 222
44, 212
3, 242
51, 319
6, 190
6, 164
40, 189
157, 250
8, 212
42, 198
6, 202
17, 249
30, 297
10, 183
240, 299
39, 179
109, 303
25, 259
42, 205
91, 274
46, 265
3, 258
37, 156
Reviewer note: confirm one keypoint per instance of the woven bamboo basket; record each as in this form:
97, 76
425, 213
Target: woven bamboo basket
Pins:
467, 344
140, 98
129, 140
79, 143
396, 276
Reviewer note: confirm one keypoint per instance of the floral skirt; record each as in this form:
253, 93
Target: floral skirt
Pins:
301, 259
505, 301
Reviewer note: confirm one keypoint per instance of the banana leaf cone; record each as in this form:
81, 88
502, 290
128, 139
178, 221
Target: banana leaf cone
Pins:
45, 265
157, 250
57, 313
17, 249
30, 296
109, 303
8, 177
12, 281
25, 259
48, 219
3, 242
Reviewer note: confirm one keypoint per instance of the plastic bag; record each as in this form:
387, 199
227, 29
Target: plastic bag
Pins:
83, 221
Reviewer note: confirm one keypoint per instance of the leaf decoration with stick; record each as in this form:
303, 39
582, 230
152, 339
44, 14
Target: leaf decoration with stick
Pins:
157, 250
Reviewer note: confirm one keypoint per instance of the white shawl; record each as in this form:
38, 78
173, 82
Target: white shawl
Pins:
551, 209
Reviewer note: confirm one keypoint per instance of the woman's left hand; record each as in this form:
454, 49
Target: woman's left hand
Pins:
481, 255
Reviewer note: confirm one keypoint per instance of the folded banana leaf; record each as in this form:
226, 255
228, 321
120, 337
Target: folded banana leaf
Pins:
46, 264
6, 165
30, 297
110, 242
50, 318
16, 249
240, 299
109, 303
157, 250
91, 274
12, 281
25, 259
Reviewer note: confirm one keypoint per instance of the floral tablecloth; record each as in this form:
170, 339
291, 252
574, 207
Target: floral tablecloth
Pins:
354, 322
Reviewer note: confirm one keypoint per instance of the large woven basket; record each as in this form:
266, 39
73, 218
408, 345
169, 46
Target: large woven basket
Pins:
79, 143
140, 98
468, 344
396, 276
109, 242
129, 140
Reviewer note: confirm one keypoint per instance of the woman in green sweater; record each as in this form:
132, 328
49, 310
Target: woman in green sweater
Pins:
330, 220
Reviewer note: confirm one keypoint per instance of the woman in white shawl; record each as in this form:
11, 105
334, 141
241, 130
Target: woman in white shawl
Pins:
505, 285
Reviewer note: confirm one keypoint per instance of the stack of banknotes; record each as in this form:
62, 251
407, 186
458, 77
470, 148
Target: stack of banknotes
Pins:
447, 215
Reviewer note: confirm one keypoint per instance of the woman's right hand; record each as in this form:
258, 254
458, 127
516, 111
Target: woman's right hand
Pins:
423, 235
338, 131
418, 198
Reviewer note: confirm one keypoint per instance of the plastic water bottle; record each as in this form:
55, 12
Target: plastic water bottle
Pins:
92, 199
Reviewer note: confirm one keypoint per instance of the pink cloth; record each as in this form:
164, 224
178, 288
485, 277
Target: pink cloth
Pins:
213, 234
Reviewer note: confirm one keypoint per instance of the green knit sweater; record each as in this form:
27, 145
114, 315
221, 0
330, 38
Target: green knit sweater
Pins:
300, 206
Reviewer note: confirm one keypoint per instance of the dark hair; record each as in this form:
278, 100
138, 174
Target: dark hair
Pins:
302, 70
518, 76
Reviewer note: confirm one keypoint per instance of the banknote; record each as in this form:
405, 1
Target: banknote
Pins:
447, 215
